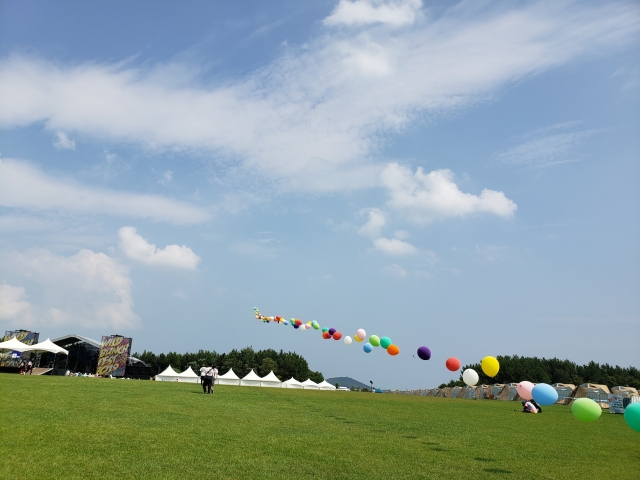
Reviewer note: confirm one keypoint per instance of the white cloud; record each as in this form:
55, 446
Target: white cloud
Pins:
137, 248
393, 246
376, 221
166, 178
394, 271
491, 252
424, 198
22, 185
254, 249
13, 306
63, 142
87, 289
366, 12
548, 146
317, 117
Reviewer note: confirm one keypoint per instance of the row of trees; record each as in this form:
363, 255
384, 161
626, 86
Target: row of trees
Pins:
284, 364
552, 370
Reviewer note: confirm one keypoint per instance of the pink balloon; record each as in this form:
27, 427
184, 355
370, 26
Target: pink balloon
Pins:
361, 334
524, 390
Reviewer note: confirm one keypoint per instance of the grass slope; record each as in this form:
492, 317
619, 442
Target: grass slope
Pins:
57, 427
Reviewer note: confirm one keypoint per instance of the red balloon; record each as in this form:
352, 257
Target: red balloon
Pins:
298, 321
337, 336
453, 364
326, 335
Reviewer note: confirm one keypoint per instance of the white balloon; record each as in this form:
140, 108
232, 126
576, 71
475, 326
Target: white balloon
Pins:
470, 377
347, 340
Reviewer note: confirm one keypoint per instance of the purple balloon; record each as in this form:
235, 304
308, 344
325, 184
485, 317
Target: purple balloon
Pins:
424, 353
295, 325
332, 331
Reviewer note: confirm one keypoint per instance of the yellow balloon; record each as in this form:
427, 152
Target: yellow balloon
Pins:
355, 337
490, 366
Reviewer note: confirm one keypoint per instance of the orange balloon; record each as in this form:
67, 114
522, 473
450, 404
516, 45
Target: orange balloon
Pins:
393, 350
337, 336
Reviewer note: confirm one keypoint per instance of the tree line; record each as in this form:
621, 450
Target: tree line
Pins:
514, 369
284, 364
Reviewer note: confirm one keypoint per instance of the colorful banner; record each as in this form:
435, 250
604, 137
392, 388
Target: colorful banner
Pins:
114, 353
7, 359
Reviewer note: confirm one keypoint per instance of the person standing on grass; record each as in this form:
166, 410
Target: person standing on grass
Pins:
30, 368
213, 381
203, 371
208, 379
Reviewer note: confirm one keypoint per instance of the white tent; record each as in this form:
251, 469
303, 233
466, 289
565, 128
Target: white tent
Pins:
14, 345
310, 384
188, 376
270, 381
47, 346
324, 385
229, 378
292, 383
169, 375
250, 380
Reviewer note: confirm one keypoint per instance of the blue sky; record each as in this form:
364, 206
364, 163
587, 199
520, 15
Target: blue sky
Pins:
462, 176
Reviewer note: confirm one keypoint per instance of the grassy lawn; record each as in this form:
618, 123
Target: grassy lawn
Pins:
57, 427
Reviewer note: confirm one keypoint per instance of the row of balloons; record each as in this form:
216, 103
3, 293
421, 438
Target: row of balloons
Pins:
328, 333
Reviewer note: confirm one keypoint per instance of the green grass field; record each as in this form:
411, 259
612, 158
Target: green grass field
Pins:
58, 427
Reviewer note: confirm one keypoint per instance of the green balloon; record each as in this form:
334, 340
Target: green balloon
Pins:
632, 416
586, 410
316, 326
385, 342
325, 329
374, 340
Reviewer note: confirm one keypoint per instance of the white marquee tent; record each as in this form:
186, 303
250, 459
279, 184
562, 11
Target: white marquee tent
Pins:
270, 381
250, 380
324, 385
168, 375
229, 378
188, 376
292, 383
310, 384
14, 345
46, 346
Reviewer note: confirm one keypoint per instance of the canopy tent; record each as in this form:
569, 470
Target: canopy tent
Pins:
46, 346
188, 376
229, 378
442, 392
324, 385
168, 375
624, 391
467, 392
482, 391
564, 390
15, 345
598, 393
508, 392
309, 384
455, 392
250, 380
292, 383
496, 389
270, 381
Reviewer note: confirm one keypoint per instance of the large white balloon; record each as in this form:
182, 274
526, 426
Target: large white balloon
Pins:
347, 340
470, 377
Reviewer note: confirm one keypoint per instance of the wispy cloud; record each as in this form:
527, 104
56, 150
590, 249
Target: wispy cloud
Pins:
22, 185
366, 12
551, 145
63, 142
317, 117
394, 271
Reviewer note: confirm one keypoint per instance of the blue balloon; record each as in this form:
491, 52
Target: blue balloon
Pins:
544, 394
367, 347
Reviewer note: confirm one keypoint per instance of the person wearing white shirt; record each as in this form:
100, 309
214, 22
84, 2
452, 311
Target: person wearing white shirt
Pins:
203, 371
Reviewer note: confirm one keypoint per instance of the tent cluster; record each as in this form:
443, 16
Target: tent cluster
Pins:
249, 380
16, 345
332, 333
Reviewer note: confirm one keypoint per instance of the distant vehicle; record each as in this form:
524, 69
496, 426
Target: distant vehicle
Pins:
379, 391
344, 389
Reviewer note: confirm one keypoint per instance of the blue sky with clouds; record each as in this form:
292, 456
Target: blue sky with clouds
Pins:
462, 176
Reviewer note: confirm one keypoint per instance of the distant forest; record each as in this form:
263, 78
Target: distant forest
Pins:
284, 364
552, 370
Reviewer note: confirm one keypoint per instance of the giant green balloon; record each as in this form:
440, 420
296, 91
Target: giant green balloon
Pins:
374, 340
385, 342
632, 416
586, 410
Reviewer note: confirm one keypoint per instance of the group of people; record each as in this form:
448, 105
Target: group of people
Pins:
26, 368
531, 406
208, 376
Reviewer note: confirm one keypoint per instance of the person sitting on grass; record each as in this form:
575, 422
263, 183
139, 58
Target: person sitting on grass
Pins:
527, 407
